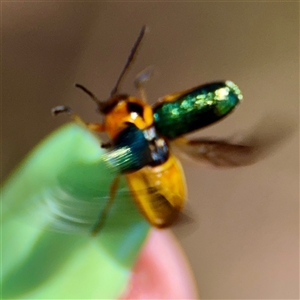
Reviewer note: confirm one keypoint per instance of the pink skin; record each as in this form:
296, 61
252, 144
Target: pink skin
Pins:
161, 271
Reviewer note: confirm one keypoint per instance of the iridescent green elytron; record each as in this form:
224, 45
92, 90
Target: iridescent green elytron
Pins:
197, 108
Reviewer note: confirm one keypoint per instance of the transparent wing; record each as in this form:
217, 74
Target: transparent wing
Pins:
218, 153
64, 184
260, 142
65, 211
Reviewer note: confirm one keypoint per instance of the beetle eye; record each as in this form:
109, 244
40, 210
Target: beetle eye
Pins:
135, 107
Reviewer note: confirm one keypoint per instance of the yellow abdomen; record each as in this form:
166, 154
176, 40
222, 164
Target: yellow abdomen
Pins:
159, 192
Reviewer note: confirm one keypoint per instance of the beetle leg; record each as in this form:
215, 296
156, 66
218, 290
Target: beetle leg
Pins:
102, 218
106, 145
66, 109
140, 80
98, 127
142, 93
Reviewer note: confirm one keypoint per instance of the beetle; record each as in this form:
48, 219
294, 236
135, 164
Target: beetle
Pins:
141, 136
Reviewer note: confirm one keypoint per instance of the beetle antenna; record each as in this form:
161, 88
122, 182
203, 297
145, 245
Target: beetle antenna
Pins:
129, 61
100, 104
94, 98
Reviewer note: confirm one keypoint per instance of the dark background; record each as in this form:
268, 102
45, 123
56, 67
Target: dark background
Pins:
245, 243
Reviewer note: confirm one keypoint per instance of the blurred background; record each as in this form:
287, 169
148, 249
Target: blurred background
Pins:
245, 240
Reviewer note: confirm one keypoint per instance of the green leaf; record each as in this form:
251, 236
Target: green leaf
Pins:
49, 206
